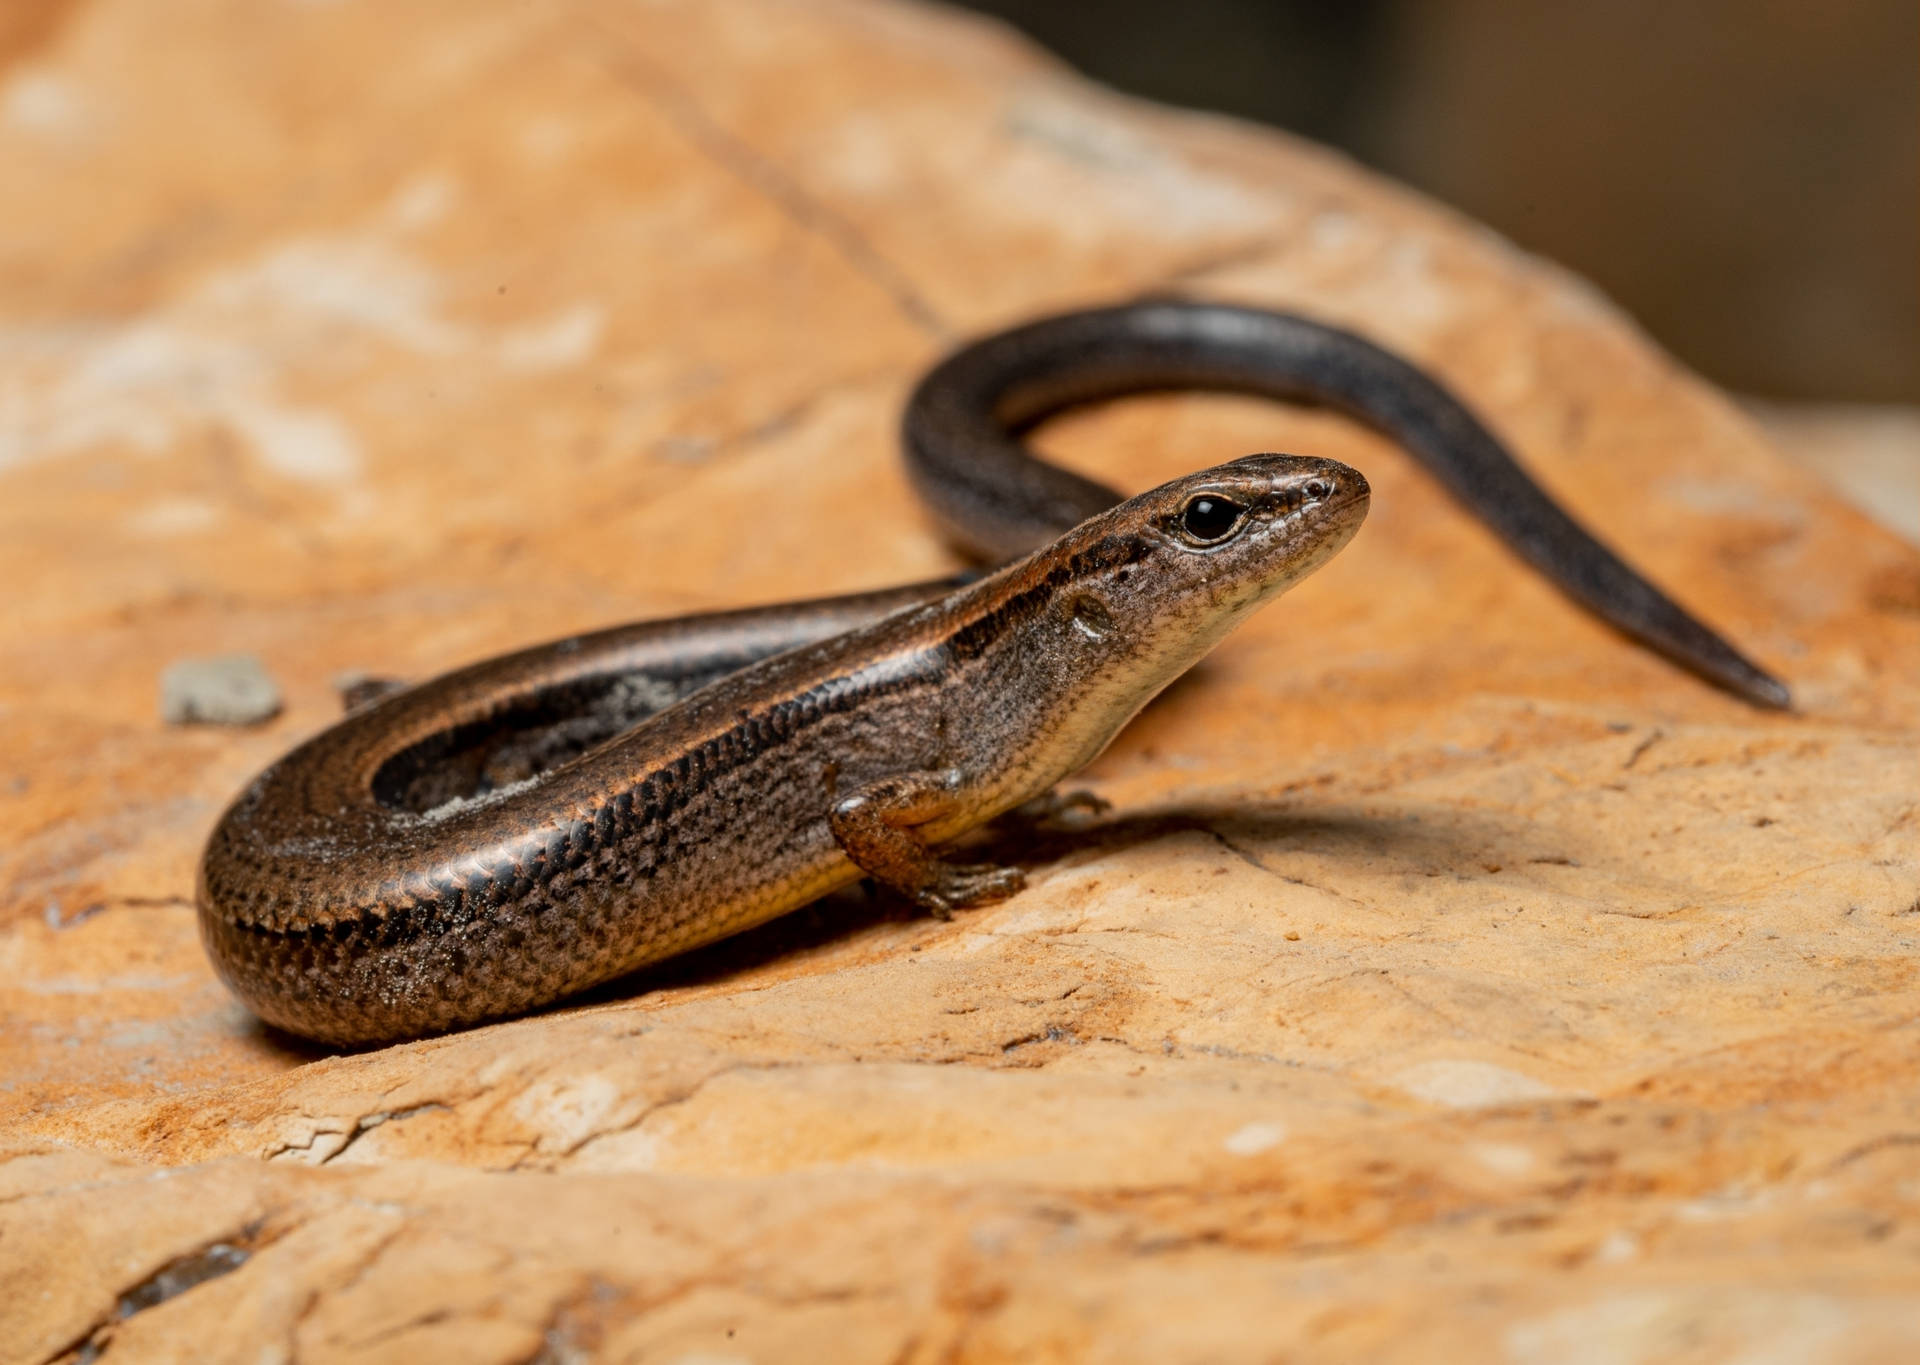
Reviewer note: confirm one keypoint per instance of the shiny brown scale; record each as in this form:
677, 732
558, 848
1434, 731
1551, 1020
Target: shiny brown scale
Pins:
515, 831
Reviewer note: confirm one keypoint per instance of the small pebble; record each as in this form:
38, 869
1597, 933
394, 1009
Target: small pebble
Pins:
358, 688
222, 689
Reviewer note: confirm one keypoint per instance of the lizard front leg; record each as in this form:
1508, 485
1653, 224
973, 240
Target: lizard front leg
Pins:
877, 826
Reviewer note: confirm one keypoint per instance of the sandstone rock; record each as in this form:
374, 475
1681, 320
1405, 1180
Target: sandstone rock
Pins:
1450, 978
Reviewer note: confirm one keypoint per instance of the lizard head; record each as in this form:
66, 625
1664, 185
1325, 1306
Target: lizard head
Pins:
1132, 597
1173, 570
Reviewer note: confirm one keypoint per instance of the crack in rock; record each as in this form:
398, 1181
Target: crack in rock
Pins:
220, 1257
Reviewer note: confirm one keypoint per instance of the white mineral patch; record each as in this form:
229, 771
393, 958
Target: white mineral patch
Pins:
1425, 302
864, 153
225, 353
1132, 177
307, 1143
422, 202
567, 1110
564, 340
1019, 922
630, 1149
313, 446
1755, 1325
1332, 230
1504, 1158
41, 102
1617, 1248
1460, 1084
329, 289
1256, 1138
166, 517
546, 139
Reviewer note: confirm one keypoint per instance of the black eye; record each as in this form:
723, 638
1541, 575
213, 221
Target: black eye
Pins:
1316, 489
1209, 518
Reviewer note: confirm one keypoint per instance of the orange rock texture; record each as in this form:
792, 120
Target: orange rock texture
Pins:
1450, 980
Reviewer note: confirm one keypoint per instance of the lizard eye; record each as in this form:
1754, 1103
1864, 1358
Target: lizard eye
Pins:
1211, 518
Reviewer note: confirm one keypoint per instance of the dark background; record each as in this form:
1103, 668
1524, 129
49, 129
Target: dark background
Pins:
1741, 175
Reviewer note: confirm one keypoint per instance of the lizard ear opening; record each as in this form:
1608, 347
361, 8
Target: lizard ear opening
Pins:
1091, 617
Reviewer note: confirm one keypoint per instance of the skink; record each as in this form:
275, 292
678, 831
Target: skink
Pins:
516, 831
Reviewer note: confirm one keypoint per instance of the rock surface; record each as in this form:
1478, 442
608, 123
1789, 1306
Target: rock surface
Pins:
1450, 979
